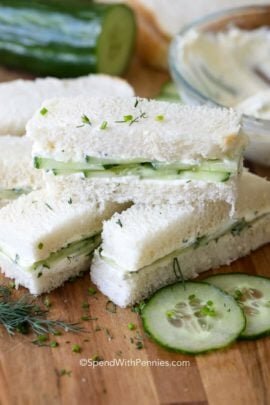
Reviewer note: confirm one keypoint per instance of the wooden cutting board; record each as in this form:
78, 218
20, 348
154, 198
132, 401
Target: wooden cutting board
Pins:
32, 375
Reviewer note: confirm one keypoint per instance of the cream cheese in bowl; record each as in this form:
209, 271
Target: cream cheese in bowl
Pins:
224, 60
232, 68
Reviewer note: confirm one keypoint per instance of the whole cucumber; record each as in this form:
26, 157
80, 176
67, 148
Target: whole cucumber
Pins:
66, 39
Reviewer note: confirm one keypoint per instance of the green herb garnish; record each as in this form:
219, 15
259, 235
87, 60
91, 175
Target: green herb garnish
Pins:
47, 302
48, 205
159, 117
138, 307
85, 305
131, 120
17, 258
92, 291
41, 340
43, 111
126, 118
76, 348
40, 245
25, 316
178, 272
108, 334
131, 326
85, 318
104, 125
85, 121
97, 358
65, 372
139, 345
200, 240
53, 344
238, 227
119, 223
70, 201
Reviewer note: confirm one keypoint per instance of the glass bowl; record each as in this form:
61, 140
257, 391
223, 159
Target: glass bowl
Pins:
247, 18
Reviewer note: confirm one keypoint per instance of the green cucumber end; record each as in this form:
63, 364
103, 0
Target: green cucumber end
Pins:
117, 40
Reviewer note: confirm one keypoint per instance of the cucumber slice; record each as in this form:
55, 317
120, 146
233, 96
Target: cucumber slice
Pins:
252, 293
193, 318
93, 168
51, 164
113, 161
169, 92
13, 193
74, 249
204, 176
207, 165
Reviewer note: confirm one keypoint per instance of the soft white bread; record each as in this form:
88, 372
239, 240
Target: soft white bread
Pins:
19, 99
40, 223
16, 169
139, 245
132, 189
38, 282
183, 133
160, 20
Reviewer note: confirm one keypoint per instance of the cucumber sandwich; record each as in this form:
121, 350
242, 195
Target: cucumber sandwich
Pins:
148, 247
19, 99
45, 238
17, 175
138, 149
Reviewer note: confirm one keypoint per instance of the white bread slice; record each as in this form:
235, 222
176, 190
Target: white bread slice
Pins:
50, 279
16, 170
160, 20
132, 189
19, 99
184, 133
139, 246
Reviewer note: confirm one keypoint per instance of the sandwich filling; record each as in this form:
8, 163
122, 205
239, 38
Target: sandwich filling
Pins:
73, 250
92, 167
13, 193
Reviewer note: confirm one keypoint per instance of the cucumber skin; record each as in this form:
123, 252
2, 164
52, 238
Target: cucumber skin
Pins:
241, 337
59, 40
168, 348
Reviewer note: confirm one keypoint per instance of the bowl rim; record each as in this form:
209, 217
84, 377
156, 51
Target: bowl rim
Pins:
195, 24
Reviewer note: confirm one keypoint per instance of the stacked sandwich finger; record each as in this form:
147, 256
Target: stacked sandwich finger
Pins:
179, 167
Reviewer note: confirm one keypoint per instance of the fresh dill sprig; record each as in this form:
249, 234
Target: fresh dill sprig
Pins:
130, 119
104, 125
85, 121
25, 316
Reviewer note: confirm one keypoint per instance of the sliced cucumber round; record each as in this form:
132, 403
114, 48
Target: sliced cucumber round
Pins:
193, 318
252, 293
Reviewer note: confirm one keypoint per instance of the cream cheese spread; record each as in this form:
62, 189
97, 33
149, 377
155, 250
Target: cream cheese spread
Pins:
231, 67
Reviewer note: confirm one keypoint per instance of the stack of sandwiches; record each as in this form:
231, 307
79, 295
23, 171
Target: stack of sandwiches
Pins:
156, 189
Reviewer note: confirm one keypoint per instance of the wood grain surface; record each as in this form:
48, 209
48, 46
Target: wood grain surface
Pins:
31, 375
